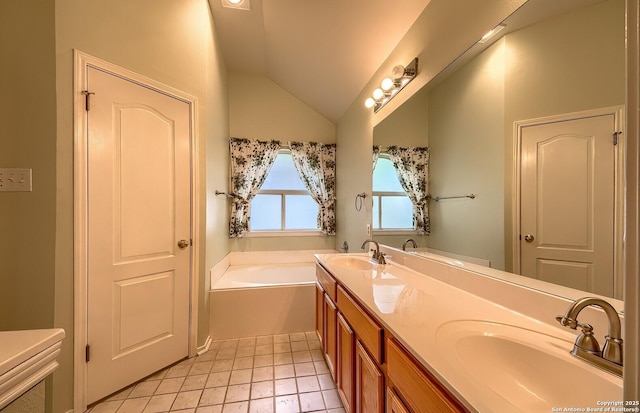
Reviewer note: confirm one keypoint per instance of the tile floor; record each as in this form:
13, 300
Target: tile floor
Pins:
268, 374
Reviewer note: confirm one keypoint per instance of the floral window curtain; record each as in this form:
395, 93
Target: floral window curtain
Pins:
251, 161
412, 166
316, 164
376, 155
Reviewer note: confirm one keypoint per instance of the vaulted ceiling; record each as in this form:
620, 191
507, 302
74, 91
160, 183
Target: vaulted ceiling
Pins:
321, 51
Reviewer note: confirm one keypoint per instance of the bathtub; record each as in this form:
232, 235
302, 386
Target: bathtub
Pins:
263, 299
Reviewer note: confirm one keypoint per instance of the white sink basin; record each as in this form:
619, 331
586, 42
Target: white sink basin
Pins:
353, 262
528, 370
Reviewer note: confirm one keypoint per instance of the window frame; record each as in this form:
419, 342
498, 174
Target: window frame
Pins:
283, 194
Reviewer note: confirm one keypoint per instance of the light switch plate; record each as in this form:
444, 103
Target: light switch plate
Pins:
15, 179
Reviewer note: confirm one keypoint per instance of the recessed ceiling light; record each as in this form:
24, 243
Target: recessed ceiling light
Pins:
237, 4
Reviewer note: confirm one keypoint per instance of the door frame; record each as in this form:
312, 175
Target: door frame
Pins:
619, 186
82, 61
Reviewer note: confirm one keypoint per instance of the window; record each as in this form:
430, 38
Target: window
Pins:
392, 208
283, 203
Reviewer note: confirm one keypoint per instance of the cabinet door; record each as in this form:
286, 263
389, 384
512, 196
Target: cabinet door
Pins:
330, 324
320, 312
369, 383
394, 405
345, 368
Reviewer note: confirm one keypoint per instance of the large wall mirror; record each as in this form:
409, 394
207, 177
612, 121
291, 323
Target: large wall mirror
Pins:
555, 65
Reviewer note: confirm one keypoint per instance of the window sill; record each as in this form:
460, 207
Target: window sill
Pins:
395, 232
275, 234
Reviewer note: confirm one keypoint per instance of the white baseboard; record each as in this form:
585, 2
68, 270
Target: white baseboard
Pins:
205, 347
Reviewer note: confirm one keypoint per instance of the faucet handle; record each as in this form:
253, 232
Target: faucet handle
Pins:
586, 340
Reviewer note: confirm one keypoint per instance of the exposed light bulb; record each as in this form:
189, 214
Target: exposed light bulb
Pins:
378, 93
235, 1
387, 83
369, 103
398, 71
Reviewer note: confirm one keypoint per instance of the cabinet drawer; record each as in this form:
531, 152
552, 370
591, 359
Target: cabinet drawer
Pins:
327, 282
367, 330
420, 393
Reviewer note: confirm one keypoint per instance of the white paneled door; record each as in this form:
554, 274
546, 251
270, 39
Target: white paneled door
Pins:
567, 203
139, 231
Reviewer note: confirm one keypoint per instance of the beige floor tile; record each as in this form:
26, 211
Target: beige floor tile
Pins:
232, 343
107, 407
241, 407
123, 394
226, 353
262, 389
201, 368
240, 376
314, 345
160, 403
284, 371
281, 338
136, 405
215, 345
212, 396
311, 401
282, 347
316, 355
307, 384
297, 337
246, 351
237, 393
299, 346
218, 379
262, 405
243, 363
262, 373
145, 388
247, 342
311, 335
194, 382
264, 340
159, 375
284, 358
301, 356
264, 349
172, 385
331, 399
208, 356
340, 410
304, 369
321, 367
222, 365
326, 382
187, 399
263, 360
180, 370
287, 404
285, 386
184, 411
210, 409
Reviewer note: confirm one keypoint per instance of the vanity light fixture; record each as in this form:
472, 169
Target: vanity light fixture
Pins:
237, 4
390, 86
491, 33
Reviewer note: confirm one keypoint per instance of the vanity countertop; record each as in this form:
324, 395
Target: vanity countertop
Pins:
26, 357
441, 325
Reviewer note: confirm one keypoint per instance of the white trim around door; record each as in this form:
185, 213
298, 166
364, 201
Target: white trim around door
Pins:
82, 62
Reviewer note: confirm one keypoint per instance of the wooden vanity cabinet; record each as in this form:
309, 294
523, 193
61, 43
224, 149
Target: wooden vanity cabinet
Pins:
320, 313
420, 392
326, 316
346, 364
394, 404
369, 383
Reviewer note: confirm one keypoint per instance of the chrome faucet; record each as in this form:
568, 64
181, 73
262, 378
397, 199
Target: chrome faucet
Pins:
586, 346
377, 256
413, 243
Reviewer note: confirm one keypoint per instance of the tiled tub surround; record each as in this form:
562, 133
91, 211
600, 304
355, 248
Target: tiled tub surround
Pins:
419, 309
281, 373
262, 293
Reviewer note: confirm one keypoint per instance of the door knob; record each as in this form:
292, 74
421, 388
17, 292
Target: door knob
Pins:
183, 243
529, 238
